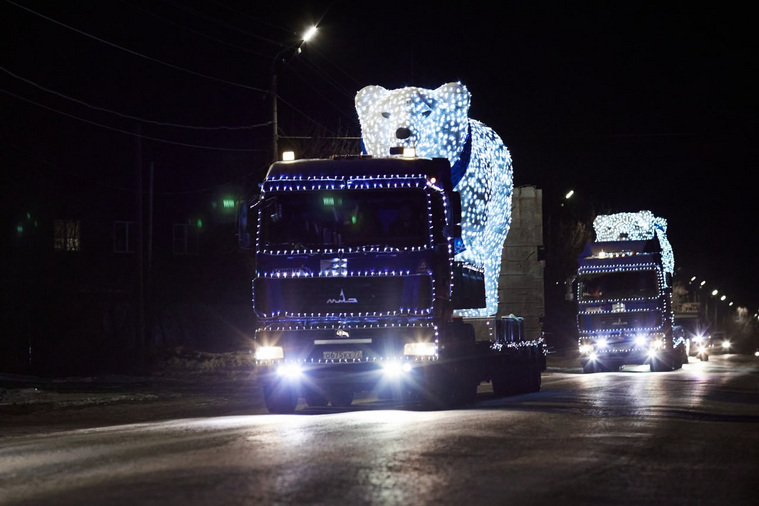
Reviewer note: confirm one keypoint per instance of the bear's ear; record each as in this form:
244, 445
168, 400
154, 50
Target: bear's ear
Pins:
367, 97
454, 96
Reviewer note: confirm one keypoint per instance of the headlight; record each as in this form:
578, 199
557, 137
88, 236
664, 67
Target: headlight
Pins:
396, 367
640, 341
726, 344
420, 349
586, 348
269, 353
602, 343
658, 344
289, 370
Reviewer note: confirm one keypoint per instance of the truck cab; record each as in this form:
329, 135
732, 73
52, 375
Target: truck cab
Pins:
353, 276
356, 286
625, 308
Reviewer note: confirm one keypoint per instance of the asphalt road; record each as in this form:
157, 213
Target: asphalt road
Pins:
632, 437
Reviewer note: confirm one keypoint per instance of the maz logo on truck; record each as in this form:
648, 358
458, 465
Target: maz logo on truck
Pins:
343, 300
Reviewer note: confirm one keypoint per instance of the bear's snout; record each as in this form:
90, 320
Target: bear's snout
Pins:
402, 133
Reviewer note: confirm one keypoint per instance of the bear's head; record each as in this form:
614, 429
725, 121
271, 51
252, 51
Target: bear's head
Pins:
434, 122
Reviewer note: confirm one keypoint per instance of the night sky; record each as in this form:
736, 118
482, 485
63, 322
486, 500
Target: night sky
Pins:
635, 105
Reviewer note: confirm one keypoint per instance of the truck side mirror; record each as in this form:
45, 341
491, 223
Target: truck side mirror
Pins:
455, 202
243, 236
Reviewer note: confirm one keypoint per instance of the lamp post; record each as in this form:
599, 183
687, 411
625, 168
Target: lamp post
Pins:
280, 56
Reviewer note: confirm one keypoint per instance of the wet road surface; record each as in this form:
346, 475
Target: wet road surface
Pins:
632, 437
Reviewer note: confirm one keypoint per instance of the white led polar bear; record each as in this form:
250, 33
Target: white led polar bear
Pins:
436, 123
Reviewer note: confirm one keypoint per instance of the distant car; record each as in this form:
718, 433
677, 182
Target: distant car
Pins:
721, 344
700, 346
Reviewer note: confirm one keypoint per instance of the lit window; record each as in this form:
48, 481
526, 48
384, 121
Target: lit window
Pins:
123, 237
185, 239
66, 235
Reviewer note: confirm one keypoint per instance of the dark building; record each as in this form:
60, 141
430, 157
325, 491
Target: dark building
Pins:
97, 277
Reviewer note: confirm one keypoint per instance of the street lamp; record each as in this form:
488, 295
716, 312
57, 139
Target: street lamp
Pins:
280, 56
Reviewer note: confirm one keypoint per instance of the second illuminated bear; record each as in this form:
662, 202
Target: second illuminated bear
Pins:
436, 123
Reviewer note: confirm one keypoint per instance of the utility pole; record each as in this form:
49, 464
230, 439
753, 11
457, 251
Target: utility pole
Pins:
140, 288
275, 126
149, 271
280, 56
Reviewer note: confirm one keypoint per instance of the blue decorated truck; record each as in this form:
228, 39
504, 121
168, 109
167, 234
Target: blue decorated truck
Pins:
356, 287
624, 296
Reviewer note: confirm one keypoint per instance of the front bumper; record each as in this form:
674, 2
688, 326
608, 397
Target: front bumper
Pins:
618, 351
360, 376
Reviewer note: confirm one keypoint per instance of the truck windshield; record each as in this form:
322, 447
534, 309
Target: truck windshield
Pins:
357, 218
618, 285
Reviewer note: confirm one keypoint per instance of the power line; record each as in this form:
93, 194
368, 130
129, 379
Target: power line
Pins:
126, 116
135, 53
133, 134
306, 116
35, 157
191, 30
232, 27
58, 168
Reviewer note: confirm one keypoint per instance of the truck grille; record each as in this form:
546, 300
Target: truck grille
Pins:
611, 322
377, 295
345, 344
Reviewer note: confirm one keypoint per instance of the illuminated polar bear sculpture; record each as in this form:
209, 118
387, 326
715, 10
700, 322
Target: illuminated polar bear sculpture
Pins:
436, 124
640, 226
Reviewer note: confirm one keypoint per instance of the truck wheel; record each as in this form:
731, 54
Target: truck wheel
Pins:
315, 398
340, 397
500, 384
464, 392
521, 379
536, 379
511, 380
280, 397
436, 390
661, 364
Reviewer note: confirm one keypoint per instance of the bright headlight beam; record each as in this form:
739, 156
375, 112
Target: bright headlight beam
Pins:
269, 353
420, 349
289, 370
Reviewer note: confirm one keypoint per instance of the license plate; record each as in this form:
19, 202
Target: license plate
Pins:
343, 355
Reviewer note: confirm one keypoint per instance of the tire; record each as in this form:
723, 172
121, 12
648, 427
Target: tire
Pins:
665, 363
538, 380
315, 398
280, 397
503, 382
437, 392
340, 397
464, 391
